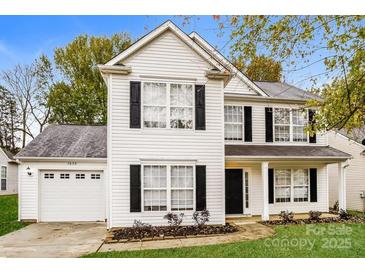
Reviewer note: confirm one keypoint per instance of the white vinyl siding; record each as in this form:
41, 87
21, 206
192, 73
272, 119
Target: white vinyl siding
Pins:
355, 172
258, 123
165, 59
12, 175
236, 85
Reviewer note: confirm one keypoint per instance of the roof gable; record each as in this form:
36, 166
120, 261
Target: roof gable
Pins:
168, 25
224, 61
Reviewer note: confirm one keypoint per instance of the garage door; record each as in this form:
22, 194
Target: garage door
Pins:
67, 196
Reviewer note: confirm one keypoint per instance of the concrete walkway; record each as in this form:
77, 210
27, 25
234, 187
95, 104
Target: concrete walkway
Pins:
53, 240
252, 231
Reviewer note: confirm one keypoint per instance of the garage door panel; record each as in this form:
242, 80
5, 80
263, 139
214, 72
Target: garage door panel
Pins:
72, 196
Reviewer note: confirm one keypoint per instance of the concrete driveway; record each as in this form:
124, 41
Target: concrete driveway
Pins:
53, 240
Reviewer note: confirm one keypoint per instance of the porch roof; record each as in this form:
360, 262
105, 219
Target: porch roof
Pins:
287, 151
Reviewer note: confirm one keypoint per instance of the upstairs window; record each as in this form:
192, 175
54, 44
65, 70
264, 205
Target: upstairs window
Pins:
233, 123
181, 102
168, 105
154, 105
282, 124
289, 125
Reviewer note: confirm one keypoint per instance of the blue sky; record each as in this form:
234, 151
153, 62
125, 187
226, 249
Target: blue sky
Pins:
24, 38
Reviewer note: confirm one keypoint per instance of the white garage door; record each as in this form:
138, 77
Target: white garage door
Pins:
71, 196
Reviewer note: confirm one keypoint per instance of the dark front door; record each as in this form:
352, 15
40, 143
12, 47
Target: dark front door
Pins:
234, 191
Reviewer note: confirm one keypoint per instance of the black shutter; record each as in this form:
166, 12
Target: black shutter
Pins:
135, 188
313, 184
200, 107
248, 124
311, 120
268, 124
201, 200
135, 105
271, 186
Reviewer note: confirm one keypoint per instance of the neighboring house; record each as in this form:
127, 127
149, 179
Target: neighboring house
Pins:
8, 173
186, 131
355, 172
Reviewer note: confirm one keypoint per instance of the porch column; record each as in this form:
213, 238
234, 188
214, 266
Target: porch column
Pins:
265, 190
342, 185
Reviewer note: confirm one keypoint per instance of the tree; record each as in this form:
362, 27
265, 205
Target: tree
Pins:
28, 85
303, 41
263, 68
9, 121
80, 97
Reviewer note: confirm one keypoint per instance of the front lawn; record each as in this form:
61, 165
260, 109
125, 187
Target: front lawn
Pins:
9, 214
296, 241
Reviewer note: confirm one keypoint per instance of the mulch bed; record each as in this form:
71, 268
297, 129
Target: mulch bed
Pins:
351, 219
167, 232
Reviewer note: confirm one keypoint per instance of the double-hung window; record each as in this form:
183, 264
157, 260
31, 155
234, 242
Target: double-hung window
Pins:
168, 105
289, 125
300, 120
300, 185
155, 188
168, 187
181, 106
154, 105
182, 188
3, 176
291, 185
282, 185
282, 124
233, 123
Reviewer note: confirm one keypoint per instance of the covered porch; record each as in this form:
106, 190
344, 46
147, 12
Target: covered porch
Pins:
265, 180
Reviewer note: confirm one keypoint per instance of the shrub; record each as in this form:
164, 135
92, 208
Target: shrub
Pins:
286, 216
344, 215
201, 217
314, 215
174, 219
140, 224
335, 206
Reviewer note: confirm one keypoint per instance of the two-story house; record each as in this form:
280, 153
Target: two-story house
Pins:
186, 131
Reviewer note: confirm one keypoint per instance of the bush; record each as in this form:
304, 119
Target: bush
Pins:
174, 219
286, 216
314, 215
335, 206
140, 224
344, 215
201, 217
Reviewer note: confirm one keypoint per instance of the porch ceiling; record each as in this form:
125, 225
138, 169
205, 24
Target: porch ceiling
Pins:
284, 152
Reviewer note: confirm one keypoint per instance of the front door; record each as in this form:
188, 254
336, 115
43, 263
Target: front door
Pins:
234, 191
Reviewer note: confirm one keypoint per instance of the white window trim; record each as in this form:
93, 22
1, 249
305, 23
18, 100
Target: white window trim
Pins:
168, 105
6, 179
243, 123
291, 124
168, 186
292, 187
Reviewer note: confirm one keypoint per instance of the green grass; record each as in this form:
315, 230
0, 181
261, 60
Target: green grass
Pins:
356, 213
9, 214
331, 240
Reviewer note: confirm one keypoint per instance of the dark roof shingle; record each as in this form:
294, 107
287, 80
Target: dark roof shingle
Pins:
285, 91
284, 151
68, 141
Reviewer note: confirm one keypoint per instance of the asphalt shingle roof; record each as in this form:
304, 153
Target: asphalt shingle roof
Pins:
284, 151
70, 141
285, 91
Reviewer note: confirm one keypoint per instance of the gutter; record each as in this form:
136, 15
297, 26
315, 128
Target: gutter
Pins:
61, 159
256, 98
108, 69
